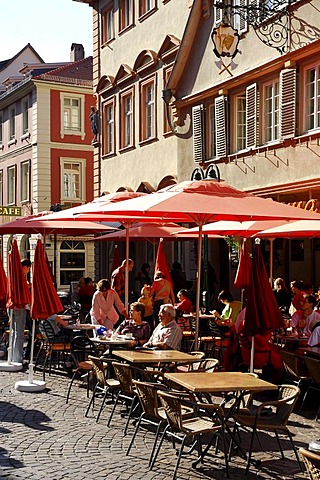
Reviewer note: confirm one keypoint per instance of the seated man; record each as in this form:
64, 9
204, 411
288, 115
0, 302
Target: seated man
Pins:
167, 334
60, 334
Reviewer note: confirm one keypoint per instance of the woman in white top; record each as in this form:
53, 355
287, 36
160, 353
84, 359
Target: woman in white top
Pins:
104, 301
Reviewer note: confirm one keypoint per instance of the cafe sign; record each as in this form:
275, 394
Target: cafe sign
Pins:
312, 205
10, 211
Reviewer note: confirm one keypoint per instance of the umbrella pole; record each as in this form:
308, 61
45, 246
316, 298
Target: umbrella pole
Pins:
252, 354
31, 364
126, 294
196, 335
271, 261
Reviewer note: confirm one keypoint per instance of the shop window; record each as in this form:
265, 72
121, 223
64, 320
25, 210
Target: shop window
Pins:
72, 261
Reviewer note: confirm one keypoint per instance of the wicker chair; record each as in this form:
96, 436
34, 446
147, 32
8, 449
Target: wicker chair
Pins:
313, 365
103, 386
181, 429
312, 463
188, 367
276, 422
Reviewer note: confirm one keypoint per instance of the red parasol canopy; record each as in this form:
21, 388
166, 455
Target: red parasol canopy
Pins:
18, 293
262, 314
37, 224
232, 228
299, 229
161, 262
45, 301
242, 279
144, 231
3, 281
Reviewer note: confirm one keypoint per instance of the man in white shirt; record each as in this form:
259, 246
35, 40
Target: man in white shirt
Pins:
167, 334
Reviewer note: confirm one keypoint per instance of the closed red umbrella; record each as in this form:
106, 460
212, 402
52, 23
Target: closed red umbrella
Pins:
262, 312
242, 279
161, 262
18, 293
3, 282
45, 301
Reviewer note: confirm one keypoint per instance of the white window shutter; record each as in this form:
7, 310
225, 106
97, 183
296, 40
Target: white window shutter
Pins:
198, 133
243, 16
218, 16
288, 82
220, 107
252, 111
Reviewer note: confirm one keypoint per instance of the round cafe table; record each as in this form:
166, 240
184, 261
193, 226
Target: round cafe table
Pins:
112, 343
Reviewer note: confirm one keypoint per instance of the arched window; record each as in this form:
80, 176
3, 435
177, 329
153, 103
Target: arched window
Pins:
72, 261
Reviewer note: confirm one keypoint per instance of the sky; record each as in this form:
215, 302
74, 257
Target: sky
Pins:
51, 26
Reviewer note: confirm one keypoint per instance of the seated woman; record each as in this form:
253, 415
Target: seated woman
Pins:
60, 334
232, 307
140, 329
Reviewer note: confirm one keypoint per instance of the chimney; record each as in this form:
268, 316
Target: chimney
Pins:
77, 52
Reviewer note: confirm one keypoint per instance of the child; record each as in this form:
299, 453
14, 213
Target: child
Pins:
146, 299
184, 305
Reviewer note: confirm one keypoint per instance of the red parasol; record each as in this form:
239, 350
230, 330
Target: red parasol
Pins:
299, 229
161, 262
242, 279
18, 293
145, 231
3, 281
45, 301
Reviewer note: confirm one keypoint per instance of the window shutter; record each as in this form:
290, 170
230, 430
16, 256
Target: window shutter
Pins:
218, 15
220, 124
252, 111
243, 24
288, 80
198, 133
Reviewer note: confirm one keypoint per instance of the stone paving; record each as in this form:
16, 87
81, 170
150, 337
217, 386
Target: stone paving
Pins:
45, 439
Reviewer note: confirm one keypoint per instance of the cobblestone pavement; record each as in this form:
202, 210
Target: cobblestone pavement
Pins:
45, 439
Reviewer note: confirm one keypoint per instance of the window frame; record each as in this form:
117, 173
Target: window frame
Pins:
25, 185
123, 123
109, 129
144, 105
145, 10
72, 269
316, 99
238, 145
1, 187
82, 192
65, 130
108, 31
12, 185
272, 127
126, 15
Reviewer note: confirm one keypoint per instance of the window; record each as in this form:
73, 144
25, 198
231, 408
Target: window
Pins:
271, 111
126, 134
12, 122
11, 174
126, 14
108, 138
72, 179
148, 110
145, 6
72, 261
1, 128
25, 181
25, 115
1, 187
72, 115
312, 98
108, 24
241, 121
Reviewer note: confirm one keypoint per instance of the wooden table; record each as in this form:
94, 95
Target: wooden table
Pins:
154, 356
217, 382
112, 343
